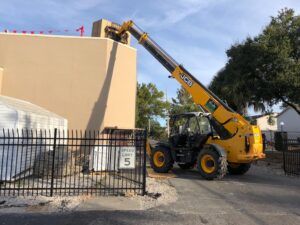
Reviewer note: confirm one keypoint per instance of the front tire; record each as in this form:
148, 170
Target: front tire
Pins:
238, 168
211, 164
161, 159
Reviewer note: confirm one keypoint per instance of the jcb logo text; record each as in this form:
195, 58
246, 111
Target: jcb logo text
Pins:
186, 79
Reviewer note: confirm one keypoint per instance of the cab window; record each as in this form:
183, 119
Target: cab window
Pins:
178, 125
194, 126
204, 125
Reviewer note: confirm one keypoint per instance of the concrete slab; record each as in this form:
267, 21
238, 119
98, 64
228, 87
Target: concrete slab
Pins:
110, 203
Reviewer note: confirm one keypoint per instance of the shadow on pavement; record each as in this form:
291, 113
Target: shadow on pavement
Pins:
96, 217
254, 176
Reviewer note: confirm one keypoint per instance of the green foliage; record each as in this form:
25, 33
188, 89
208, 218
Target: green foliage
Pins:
271, 119
150, 106
264, 69
183, 103
157, 132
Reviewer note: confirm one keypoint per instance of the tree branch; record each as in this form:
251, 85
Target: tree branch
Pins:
293, 105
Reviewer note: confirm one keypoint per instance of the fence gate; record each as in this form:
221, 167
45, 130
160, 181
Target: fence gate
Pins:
72, 162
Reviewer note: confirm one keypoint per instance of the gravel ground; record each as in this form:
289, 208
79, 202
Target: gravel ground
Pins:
258, 197
159, 192
270, 167
42, 203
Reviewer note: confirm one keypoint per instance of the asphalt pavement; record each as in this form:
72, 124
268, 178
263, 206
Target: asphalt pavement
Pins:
259, 197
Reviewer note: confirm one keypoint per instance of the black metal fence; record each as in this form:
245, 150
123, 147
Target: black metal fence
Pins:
72, 162
291, 162
289, 144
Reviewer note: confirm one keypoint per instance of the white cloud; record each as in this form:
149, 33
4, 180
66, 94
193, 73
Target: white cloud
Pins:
172, 12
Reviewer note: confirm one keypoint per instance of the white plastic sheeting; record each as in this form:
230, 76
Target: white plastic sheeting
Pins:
104, 158
17, 156
15, 113
16, 161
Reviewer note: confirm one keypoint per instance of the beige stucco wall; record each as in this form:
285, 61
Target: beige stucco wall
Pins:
1, 76
90, 81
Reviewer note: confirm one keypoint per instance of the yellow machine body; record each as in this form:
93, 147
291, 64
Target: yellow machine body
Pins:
245, 134
245, 143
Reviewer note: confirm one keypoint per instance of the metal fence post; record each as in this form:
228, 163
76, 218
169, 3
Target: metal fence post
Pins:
285, 149
53, 164
144, 166
284, 165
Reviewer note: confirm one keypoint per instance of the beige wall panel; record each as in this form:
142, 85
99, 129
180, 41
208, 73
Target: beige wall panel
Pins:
1, 78
80, 78
122, 95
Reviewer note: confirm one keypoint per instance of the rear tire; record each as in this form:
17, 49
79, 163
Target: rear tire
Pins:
161, 159
211, 164
186, 166
238, 169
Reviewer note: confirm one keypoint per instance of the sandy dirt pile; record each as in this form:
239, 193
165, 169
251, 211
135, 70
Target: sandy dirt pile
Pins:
159, 192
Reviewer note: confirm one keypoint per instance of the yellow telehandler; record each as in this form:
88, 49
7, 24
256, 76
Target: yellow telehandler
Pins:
216, 141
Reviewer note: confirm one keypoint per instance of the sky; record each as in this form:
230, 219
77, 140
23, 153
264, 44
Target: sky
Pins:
196, 33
